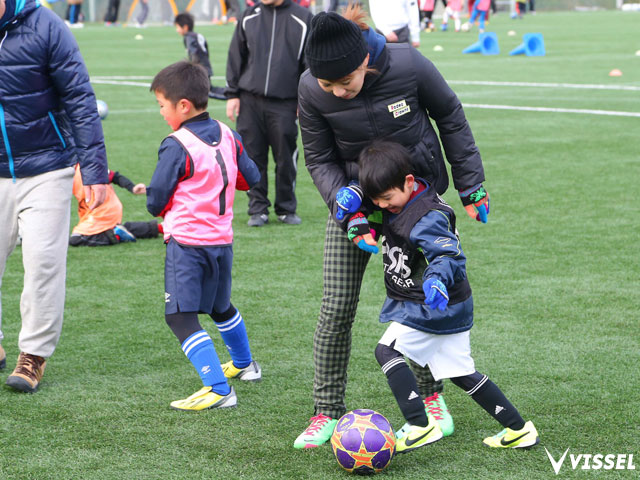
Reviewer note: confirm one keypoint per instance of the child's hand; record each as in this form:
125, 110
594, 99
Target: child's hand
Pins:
359, 233
349, 200
476, 202
435, 293
139, 189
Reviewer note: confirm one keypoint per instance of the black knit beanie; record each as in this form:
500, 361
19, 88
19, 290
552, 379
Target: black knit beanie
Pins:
335, 46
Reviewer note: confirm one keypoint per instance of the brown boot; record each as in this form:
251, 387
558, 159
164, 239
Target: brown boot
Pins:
3, 358
28, 373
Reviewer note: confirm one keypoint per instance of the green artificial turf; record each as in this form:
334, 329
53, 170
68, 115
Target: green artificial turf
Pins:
554, 273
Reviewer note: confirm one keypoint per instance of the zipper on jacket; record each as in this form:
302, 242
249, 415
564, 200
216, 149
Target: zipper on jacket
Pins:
55, 125
372, 118
7, 147
273, 35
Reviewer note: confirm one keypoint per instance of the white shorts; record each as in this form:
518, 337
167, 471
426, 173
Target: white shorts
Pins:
448, 356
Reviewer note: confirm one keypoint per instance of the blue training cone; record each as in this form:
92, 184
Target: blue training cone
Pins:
487, 44
532, 46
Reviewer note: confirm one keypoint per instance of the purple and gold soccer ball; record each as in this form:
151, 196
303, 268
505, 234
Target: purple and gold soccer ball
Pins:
363, 442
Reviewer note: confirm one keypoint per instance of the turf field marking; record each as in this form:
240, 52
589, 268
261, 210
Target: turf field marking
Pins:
584, 86
552, 110
120, 80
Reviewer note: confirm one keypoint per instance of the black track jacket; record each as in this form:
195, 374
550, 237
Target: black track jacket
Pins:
266, 55
396, 103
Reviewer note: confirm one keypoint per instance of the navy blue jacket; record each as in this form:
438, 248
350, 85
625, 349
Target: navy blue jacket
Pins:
173, 159
434, 237
48, 112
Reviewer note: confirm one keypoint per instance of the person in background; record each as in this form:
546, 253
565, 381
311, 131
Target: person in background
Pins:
144, 13
111, 17
265, 61
73, 17
397, 20
452, 10
102, 226
197, 49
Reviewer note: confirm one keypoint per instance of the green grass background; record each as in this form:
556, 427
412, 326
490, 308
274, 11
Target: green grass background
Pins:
554, 272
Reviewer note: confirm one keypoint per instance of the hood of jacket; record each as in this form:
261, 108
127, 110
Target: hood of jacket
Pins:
15, 10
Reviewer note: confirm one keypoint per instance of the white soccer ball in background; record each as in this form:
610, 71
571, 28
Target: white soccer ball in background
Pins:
465, 27
103, 109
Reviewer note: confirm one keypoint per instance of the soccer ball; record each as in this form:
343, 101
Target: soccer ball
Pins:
363, 442
465, 27
103, 109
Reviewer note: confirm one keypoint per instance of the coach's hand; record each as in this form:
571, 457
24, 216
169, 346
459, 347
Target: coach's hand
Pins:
95, 195
359, 232
476, 202
233, 108
435, 294
349, 200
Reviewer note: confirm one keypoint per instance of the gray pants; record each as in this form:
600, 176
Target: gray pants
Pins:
39, 208
343, 269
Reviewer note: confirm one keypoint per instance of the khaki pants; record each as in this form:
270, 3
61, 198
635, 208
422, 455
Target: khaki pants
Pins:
39, 208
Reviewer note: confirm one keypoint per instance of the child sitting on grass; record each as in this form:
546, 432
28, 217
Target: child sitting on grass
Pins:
429, 302
102, 226
193, 187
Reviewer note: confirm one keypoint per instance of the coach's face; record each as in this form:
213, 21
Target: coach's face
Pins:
272, 3
2, 7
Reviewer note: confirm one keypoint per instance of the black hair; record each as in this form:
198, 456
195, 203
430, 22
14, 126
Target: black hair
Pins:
384, 165
183, 19
183, 80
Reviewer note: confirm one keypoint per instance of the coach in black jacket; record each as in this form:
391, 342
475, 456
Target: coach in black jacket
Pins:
266, 59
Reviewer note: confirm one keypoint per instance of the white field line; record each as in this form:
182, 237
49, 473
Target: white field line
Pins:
552, 110
584, 86
125, 81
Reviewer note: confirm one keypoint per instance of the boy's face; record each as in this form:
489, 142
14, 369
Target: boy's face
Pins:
395, 199
182, 30
174, 114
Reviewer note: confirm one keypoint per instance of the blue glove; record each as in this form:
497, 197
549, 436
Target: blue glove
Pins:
357, 229
349, 200
476, 202
435, 293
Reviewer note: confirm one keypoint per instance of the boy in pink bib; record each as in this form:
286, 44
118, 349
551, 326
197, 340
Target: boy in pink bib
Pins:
199, 167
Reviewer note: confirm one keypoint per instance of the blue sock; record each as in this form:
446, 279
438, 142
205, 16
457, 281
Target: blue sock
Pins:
234, 335
200, 351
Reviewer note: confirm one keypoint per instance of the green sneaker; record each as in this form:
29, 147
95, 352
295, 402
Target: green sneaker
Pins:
317, 433
436, 406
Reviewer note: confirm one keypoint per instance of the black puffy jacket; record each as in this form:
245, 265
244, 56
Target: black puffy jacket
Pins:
47, 106
396, 104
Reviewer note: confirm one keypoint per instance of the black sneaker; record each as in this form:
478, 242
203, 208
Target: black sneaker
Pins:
258, 220
290, 219
217, 93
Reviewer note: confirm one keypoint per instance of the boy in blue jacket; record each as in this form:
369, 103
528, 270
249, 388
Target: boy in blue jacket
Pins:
429, 302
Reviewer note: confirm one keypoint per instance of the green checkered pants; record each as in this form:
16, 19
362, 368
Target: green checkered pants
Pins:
344, 266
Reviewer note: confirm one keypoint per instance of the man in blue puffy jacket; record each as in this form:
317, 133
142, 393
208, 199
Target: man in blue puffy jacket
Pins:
48, 123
